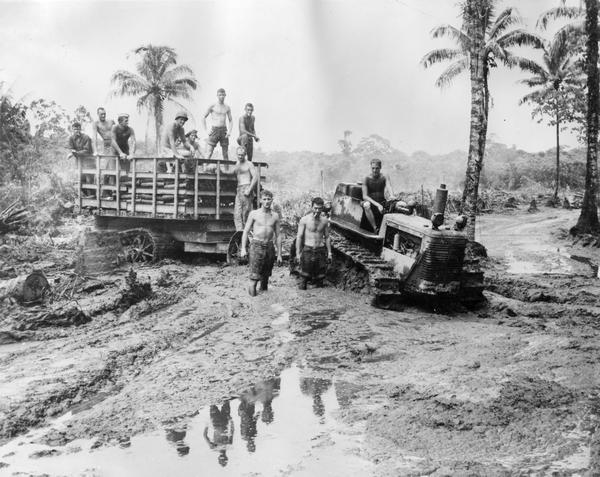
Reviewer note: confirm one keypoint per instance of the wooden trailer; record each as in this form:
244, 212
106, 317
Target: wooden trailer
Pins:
156, 211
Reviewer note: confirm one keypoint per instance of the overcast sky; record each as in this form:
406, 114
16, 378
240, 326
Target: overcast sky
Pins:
312, 68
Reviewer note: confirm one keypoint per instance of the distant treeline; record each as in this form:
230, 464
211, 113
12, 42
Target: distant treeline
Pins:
506, 168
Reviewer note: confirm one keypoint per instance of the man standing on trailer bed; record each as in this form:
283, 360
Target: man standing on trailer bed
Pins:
266, 230
80, 147
375, 188
103, 127
313, 246
219, 133
246, 181
121, 134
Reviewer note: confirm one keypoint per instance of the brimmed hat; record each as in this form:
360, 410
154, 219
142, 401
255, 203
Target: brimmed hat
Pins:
193, 131
182, 114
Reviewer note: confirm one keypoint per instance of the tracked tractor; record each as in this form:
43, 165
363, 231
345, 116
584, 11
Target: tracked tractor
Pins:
408, 257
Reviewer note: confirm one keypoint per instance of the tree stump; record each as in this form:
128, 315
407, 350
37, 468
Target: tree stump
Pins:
25, 288
533, 207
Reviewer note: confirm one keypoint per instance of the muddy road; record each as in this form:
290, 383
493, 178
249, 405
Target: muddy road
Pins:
198, 378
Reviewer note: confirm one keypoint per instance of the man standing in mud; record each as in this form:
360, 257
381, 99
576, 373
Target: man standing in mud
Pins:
375, 188
103, 127
219, 133
247, 131
246, 181
265, 226
313, 246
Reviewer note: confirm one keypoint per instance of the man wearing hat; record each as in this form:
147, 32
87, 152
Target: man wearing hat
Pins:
80, 146
173, 136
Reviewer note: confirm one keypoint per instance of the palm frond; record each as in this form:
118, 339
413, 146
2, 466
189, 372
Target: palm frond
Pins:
128, 84
561, 12
440, 55
449, 31
520, 37
532, 97
506, 19
456, 68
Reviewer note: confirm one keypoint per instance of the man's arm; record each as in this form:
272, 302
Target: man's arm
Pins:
171, 138
95, 126
113, 140
278, 238
327, 239
300, 238
230, 129
206, 114
254, 180
249, 224
133, 142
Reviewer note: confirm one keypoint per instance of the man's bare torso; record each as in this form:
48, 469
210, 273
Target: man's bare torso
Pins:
218, 114
242, 171
315, 230
264, 224
103, 128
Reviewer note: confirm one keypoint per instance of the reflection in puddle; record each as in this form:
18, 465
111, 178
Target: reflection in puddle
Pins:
283, 426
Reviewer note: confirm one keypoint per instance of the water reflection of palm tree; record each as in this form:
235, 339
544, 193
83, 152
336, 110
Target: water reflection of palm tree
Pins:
222, 425
176, 436
315, 387
248, 422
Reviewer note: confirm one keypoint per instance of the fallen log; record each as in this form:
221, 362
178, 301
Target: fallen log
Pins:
25, 288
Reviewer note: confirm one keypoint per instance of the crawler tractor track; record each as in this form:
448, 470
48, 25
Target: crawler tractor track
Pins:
356, 268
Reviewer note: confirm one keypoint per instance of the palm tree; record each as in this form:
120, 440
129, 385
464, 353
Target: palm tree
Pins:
555, 78
588, 219
482, 41
158, 79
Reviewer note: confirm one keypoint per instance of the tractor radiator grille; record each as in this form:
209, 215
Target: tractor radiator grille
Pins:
441, 262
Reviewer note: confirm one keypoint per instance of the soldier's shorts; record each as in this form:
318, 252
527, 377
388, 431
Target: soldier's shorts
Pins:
261, 258
313, 262
218, 135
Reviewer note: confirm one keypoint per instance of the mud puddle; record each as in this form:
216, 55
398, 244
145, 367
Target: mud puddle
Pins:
284, 426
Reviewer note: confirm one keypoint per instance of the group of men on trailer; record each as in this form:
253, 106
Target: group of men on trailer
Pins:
261, 227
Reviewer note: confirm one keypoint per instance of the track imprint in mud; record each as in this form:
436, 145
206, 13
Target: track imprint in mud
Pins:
283, 426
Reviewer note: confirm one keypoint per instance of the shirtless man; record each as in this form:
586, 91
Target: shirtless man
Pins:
103, 127
247, 131
246, 181
219, 133
266, 228
313, 246
376, 188
174, 132
173, 137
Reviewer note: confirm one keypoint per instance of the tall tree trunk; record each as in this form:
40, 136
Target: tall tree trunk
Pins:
157, 122
588, 219
479, 106
557, 153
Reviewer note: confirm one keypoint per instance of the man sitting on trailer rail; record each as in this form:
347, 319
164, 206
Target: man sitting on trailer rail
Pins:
265, 226
247, 131
245, 173
313, 245
174, 135
375, 189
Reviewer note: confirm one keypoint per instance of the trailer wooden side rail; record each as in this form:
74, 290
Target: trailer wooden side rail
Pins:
154, 209
141, 190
